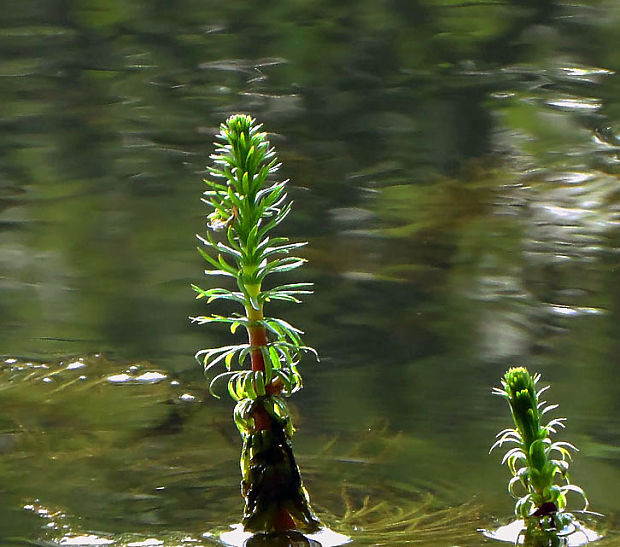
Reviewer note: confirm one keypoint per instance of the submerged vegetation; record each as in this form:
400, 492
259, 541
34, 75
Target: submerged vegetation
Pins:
131, 414
247, 204
539, 465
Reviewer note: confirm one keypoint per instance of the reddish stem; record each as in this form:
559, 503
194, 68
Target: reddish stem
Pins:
258, 339
283, 521
262, 421
257, 336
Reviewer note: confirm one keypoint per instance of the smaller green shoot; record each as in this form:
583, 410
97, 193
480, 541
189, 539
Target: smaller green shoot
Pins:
539, 465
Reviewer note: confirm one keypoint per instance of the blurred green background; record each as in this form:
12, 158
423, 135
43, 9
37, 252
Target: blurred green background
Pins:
454, 166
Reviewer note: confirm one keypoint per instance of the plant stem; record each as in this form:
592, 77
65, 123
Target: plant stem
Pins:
257, 337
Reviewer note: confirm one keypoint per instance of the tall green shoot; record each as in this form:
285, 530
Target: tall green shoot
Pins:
246, 205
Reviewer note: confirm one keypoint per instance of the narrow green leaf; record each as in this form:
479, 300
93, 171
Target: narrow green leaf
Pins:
273, 357
249, 386
267, 363
259, 379
228, 359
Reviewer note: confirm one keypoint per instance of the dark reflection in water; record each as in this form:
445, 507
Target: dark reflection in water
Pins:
454, 166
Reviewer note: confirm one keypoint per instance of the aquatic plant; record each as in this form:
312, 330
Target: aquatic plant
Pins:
247, 204
538, 464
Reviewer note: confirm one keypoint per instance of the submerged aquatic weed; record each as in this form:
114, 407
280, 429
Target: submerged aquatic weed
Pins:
402, 517
539, 465
247, 204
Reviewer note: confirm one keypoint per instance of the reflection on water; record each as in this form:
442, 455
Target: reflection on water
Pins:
455, 168
572, 536
323, 538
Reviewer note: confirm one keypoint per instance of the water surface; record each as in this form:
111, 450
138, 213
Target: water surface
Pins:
454, 167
